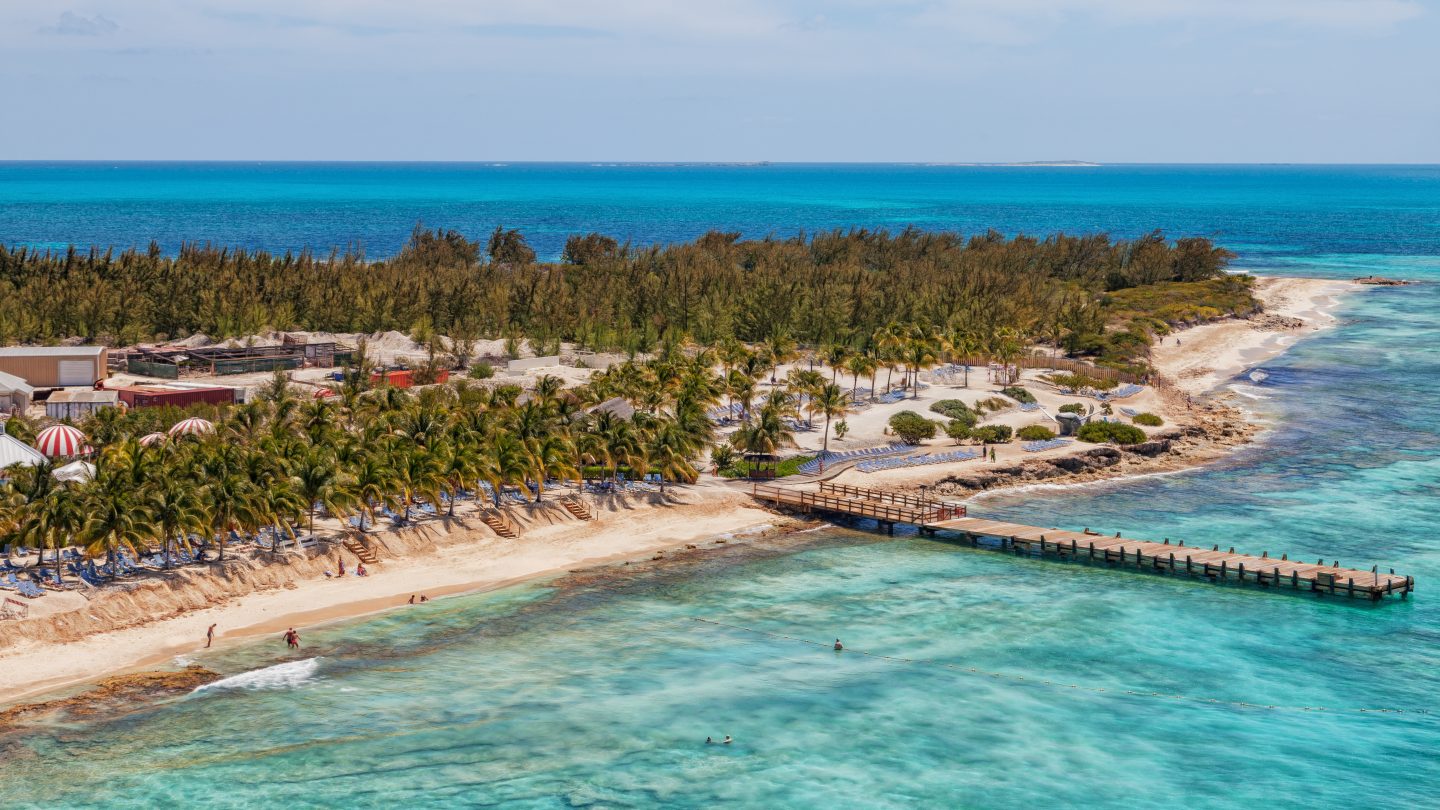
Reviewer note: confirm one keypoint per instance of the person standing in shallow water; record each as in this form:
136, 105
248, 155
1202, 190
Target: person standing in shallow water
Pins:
292, 639
209, 636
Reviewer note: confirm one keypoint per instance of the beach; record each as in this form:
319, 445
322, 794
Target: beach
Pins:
77, 643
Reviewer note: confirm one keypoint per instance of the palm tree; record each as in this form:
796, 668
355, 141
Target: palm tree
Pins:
51, 521
920, 354
320, 483
117, 520
669, 451
458, 466
175, 511
779, 349
418, 473
831, 401
232, 506
550, 457
372, 485
513, 464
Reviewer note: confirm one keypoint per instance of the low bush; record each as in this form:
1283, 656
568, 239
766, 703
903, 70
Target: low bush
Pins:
953, 409
958, 430
1148, 420
482, 371
911, 427
1101, 432
1035, 433
1073, 407
1018, 394
992, 404
992, 434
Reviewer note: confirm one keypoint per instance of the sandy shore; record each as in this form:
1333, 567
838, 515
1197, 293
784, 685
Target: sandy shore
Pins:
1200, 359
460, 557
61, 645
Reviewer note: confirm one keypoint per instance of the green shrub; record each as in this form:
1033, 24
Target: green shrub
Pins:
954, 409
1101, 432
958, 430
1035, 433
841, 428
482, 371
1073, 407
1018, 394
911, 427
1148, 420
992, 434
992, 404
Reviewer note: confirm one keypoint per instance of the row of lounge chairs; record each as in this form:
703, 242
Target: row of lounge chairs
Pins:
1029, 407
1042, 446
948, 374
916, 461
813, 466
25, 588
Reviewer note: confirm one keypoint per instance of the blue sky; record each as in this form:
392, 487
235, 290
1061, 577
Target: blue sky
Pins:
846, 80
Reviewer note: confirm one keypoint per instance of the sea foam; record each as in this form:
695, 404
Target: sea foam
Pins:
289, 675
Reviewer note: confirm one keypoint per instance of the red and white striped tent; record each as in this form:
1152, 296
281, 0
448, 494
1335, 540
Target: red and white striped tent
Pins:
193, 426
60, 441
150, 439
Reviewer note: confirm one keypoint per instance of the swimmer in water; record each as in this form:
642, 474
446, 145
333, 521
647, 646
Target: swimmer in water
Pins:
727, 740
838, 645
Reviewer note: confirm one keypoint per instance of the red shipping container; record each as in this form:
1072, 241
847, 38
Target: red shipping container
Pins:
147, 397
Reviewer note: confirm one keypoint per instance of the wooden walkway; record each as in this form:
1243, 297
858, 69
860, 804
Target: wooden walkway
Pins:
931, 517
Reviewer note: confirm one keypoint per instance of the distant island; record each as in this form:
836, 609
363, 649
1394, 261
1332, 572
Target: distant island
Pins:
1030, 163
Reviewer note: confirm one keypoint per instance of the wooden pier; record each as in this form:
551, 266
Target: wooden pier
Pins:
934, 516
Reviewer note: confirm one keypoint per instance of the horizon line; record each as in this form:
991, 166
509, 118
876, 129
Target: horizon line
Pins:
600, 163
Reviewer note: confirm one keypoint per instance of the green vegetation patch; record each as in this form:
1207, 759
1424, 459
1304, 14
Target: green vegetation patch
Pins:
1102, 432
911, 427
1018, 394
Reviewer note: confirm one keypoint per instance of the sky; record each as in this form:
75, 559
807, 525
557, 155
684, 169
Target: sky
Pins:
1322, 81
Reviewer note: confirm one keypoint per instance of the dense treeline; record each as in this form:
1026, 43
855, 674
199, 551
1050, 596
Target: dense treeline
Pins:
816, 289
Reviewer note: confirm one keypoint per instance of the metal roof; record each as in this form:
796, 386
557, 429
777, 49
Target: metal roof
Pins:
84, 395
51, 351
9, 384
13, 451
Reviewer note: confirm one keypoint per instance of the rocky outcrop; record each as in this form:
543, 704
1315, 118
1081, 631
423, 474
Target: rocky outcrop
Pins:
116, 695
1217, 429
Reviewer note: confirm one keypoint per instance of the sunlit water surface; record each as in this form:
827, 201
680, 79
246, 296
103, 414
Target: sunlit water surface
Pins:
1024, 683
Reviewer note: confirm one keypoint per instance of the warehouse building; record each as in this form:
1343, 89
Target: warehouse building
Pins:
55, 366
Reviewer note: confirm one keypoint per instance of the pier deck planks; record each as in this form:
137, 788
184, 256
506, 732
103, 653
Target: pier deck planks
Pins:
1263, 570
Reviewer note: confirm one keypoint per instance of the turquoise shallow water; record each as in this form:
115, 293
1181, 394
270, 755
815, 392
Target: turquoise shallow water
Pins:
601, 693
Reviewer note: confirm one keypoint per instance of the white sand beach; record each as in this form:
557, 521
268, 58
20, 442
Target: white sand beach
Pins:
72, 638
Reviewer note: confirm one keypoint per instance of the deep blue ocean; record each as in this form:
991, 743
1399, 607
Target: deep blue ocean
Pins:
1028, 683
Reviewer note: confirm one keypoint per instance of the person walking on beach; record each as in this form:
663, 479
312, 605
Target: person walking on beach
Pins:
209, 636
992, 455
292, 639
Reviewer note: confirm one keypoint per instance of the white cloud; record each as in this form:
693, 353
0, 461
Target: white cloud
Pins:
72, 24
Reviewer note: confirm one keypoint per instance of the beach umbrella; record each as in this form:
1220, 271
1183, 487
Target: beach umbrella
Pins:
193, 426
150, 439
58, 441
